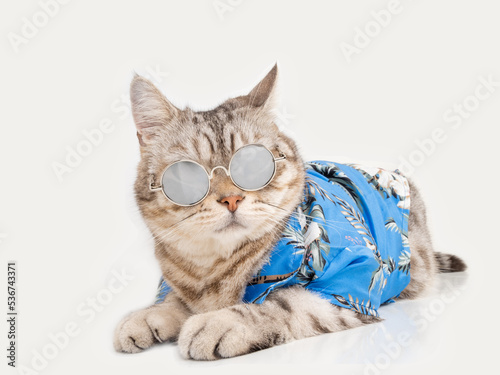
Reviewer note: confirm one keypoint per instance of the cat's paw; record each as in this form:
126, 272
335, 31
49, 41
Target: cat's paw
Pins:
214, 335
143, 328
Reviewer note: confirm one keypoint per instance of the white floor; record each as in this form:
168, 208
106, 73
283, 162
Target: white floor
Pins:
441, 333
430, 334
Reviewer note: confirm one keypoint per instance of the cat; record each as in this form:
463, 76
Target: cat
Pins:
210, 252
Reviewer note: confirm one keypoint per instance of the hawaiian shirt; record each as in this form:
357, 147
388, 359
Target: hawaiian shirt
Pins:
347, 241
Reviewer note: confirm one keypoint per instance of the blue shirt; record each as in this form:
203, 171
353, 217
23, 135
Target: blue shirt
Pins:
347, 241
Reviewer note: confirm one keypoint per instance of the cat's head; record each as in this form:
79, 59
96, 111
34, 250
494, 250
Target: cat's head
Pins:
168, 134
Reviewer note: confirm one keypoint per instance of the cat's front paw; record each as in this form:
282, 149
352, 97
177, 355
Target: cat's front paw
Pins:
214, 335
143, 328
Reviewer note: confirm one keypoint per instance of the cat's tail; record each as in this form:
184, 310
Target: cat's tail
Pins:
449, 263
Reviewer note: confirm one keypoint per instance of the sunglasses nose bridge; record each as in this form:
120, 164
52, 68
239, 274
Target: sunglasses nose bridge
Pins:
211, 175
223, 186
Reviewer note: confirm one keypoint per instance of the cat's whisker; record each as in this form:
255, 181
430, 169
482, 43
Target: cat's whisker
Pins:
169, 236
326, 223
293, 213
172, 228
316, 219
162, 237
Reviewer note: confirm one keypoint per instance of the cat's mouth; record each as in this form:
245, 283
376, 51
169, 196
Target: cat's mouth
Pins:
231, 224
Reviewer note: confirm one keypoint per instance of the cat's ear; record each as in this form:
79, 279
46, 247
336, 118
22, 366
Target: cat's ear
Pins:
150, 109
264, 94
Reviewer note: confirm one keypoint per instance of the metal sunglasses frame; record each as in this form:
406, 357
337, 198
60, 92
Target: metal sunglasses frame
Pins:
153, 187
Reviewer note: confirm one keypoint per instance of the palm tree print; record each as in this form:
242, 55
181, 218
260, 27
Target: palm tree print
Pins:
335, 175
356, 219
355, 305
312, 239
358, 222
388, 184
404, 262
405, 257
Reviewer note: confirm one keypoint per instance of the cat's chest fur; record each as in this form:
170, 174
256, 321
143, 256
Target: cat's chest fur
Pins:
210, 274
203, 253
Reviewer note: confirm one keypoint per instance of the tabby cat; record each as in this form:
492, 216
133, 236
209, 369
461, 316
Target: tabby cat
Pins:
210, 252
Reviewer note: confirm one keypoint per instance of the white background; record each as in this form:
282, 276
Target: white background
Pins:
68, 236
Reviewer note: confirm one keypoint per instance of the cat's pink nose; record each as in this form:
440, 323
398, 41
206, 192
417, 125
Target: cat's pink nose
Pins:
232, 202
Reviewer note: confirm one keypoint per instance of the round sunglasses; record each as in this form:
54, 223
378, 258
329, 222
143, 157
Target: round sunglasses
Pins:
187, 183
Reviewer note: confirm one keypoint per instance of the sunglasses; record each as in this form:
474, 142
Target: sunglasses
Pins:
187, 183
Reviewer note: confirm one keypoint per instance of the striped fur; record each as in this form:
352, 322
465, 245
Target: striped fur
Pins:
425, 263
450, 263
289, 314
208, 265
